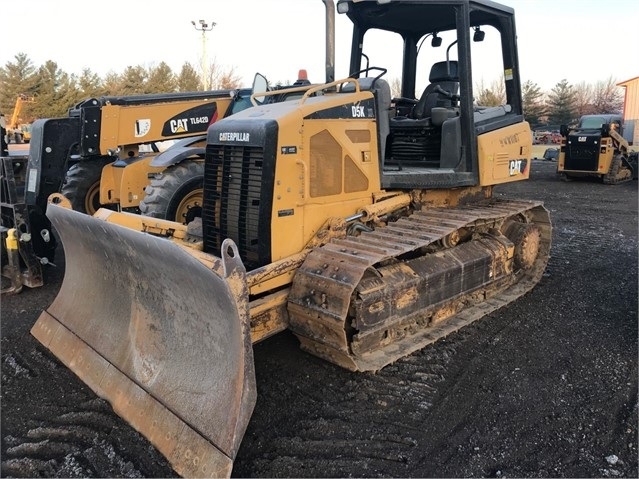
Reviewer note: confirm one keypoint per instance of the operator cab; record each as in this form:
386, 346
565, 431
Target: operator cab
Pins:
454, 74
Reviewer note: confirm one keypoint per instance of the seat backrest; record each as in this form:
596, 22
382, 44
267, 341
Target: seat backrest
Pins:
444, 75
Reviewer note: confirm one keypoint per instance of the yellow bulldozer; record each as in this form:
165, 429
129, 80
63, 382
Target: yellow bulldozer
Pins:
365, 224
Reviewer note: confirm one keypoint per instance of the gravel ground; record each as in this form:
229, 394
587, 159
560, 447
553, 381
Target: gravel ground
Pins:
545, 387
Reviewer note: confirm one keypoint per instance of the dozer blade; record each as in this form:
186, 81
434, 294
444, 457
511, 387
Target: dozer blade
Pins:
159, 335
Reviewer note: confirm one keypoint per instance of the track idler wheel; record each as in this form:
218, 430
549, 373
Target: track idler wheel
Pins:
527, 239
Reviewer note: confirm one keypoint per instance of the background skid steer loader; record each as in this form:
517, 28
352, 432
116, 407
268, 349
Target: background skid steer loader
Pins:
596, 148
366, 225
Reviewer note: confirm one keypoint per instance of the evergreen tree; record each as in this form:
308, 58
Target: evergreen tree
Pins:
161, 80
188, 79
55, 91
90, 85
16, 78
112, 84
561, 104
133, 80
533, 105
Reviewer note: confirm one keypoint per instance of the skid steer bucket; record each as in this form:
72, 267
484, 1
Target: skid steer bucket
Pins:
159, 335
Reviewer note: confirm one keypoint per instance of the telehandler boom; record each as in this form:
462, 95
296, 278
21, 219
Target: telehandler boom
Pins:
364, 223
99, 155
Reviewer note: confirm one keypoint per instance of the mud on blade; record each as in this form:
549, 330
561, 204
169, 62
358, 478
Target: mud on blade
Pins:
159, 335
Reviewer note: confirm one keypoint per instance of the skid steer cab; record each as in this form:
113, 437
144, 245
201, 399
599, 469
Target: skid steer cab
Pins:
360, 218
596, 148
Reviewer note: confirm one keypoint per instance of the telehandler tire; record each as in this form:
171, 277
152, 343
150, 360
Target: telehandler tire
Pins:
176, 194
82, 185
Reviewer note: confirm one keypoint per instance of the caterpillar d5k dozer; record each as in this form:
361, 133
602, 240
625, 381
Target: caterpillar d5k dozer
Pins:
596, 148
366, 224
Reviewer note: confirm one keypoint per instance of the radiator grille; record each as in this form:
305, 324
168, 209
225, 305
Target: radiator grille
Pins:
232, 189
415, 145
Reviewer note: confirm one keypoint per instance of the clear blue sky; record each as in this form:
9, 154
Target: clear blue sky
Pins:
579, 40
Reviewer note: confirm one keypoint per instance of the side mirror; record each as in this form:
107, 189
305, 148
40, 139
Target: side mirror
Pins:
260, 85
563, 130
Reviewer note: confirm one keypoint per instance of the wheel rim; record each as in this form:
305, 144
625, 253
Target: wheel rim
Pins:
190, 207
92, 199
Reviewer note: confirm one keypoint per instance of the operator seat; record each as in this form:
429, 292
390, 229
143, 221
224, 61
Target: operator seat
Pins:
444, 75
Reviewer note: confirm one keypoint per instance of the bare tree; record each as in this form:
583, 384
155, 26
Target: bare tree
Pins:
220, 79
494, 95
607, 97
583, 97
396, 87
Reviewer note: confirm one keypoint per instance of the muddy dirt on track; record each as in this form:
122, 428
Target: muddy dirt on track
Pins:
545, 387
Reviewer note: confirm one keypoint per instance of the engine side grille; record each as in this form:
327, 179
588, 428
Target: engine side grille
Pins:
231, 209
415, 144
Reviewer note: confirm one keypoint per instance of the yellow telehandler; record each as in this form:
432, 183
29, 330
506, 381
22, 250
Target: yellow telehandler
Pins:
16, 130
106, 153
363, 223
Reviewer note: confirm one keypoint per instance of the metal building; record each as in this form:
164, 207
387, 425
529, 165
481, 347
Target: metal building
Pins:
631, 110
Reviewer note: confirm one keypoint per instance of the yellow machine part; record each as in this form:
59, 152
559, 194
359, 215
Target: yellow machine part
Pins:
186, 382
11, 270
611, 166
505, 155
138, 124
125, 184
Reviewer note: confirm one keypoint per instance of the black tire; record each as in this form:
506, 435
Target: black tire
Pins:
82, 185
176, 193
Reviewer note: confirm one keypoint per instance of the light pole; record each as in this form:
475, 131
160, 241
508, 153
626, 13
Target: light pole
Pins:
204, 27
